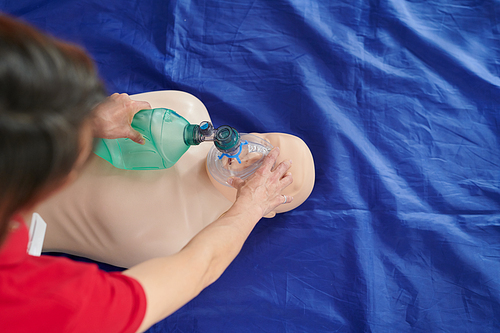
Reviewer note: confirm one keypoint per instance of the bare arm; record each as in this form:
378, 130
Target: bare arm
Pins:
171, 282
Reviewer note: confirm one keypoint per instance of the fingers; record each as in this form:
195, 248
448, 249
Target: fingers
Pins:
279, 175
236, 182
286, 180
264, 188
136, 137
112, 118
283, 168
286, 199
270, 159
142, 105
136, 106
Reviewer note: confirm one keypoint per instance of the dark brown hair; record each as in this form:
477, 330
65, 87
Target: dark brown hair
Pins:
47, 90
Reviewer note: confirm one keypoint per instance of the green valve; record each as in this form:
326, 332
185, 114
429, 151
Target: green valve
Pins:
227, 139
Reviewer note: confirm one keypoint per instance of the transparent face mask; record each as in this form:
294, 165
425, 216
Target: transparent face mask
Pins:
242, 163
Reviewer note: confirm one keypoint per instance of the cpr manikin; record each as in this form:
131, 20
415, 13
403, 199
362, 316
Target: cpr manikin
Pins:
124, 217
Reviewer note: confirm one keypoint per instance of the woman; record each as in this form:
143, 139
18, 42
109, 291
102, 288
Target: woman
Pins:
47, 90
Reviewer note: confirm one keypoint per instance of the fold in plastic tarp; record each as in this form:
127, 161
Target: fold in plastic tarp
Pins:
398, 102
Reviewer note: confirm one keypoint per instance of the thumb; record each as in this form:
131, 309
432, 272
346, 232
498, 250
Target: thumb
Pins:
136, 136
235, 182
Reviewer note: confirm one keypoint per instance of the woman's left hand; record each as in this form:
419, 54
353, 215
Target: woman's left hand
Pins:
111, 119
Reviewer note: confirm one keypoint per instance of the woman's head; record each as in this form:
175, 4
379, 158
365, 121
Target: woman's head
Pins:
47, 90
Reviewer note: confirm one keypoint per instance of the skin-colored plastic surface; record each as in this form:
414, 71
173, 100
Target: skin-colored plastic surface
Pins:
124, 217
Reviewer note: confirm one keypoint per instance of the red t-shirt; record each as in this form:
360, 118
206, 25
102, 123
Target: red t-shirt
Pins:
54, 294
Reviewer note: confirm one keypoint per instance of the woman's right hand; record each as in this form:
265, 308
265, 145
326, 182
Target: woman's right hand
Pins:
263, 189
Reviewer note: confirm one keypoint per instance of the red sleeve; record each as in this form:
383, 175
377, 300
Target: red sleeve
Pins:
54, 294
110, 302
100, 301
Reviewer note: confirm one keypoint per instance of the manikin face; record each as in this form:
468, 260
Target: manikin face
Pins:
246, 158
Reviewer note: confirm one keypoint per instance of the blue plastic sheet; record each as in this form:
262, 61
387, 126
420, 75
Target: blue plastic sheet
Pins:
398, 102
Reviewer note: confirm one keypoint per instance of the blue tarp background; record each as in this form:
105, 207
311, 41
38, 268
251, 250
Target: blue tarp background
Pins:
398, 102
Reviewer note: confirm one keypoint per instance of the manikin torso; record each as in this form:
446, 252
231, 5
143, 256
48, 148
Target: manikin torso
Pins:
125, 217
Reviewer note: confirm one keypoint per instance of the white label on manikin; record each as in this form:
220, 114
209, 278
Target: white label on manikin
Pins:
37, 235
